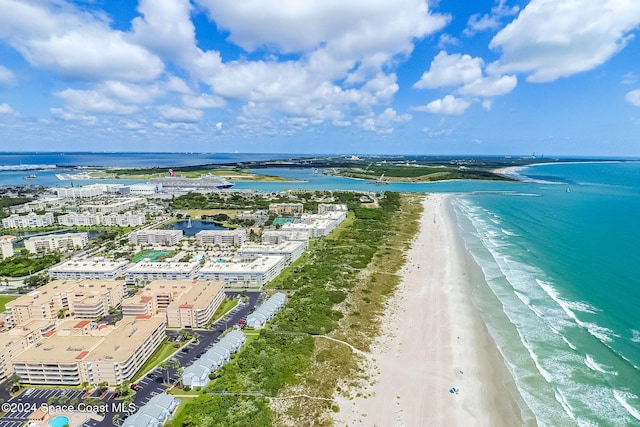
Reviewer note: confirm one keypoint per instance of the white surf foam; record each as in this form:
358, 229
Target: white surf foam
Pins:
635, 335
508, 233
622, 397
595, 366
600, 332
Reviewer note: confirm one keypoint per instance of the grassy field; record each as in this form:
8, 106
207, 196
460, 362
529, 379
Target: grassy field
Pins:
230, 174
165, 350
4, 299
395, 173
339, 292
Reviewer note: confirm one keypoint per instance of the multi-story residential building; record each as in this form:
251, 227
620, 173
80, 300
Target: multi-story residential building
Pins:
286, 208
147, 271
35, 205
114, 219
290, 250
30, 220
79, 352
317, 225
6, 246
56, 242
90, 268
324, 208
17, 340
221, 237
114, 207
87, 299
85, 191
128, 219
156, 237
185, 304
275, 237
252, 273
75, 218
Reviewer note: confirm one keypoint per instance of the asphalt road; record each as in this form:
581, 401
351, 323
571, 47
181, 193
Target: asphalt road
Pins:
155, 382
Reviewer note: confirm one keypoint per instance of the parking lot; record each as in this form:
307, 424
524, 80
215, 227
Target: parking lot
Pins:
153, 383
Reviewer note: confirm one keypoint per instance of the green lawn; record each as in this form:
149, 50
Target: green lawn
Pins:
226, 306
4, 300
165, 350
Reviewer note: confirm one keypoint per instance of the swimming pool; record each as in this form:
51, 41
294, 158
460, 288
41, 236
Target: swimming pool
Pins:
59, 421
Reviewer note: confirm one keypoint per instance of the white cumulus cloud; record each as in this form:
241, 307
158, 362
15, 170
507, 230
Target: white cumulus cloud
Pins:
450, 70
633, 97
90, 101
78, 45
6, 76
181, 115
449, 105
6, 109
557, 38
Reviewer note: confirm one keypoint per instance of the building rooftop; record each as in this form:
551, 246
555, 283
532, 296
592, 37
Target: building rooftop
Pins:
98, 265
163, 267
76, 289
260, 264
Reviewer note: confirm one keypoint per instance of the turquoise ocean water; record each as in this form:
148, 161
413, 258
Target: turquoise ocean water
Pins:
563, 295
561, 259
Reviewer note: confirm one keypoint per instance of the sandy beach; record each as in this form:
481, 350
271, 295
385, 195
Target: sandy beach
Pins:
433, 340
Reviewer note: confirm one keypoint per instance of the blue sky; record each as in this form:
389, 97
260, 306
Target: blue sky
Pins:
558, 77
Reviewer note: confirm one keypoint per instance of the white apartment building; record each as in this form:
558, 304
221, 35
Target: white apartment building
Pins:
330, 207
317, 225
156, 237
75, 218
89, 268
290, 250
30, 220
114, 207
56, 242
253, 273
6, 246
78, 352
127, 219
81, 192
114, 219
275, 237
149, 271
286, 208
221, 237
35, 205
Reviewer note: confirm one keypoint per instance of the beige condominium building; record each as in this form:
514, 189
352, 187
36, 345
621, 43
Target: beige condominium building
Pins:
90, 268
89, 299
81, 351
221, 237
18, 339
117, 206
286, 208
147, 271
186, 304
253, 273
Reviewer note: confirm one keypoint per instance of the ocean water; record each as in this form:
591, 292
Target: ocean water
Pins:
563, 294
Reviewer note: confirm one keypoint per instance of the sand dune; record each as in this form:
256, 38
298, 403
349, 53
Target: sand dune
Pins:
434, 339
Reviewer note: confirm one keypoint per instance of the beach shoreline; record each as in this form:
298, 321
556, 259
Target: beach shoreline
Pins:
435, 362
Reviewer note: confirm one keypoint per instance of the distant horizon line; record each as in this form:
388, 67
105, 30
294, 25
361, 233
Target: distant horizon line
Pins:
506, 155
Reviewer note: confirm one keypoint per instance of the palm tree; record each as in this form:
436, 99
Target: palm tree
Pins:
116, 419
